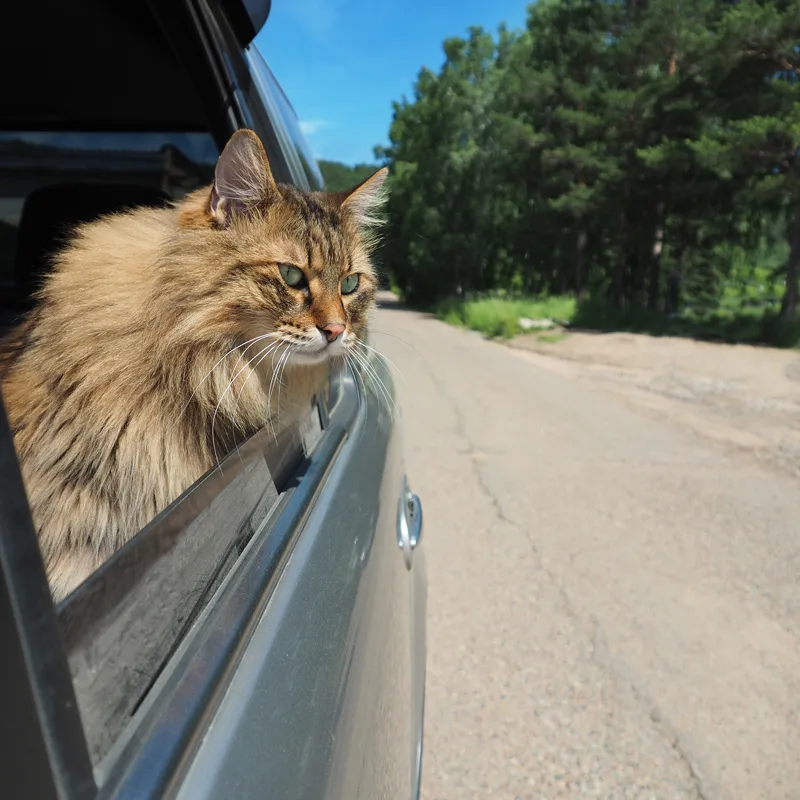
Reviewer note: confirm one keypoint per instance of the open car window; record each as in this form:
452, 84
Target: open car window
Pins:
141, 132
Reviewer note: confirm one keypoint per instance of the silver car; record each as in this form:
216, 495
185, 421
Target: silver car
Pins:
264, 636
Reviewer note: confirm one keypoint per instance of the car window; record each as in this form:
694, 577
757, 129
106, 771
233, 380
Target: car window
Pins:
66, 158
121, 626
294, 141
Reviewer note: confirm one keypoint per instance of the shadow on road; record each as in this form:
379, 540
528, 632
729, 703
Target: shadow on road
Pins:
388, 301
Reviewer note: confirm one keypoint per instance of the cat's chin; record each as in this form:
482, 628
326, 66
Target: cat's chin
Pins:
302, 356
301, 359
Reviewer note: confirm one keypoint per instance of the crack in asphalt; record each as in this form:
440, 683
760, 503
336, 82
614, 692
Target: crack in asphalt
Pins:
689, 764
596, 648
663, 729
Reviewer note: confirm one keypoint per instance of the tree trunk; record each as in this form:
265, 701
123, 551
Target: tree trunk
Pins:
675, 277
673, 301
654, 286
790, 295
580, 261
620, 267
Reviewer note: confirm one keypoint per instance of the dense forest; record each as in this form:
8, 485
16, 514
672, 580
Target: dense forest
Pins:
635, 154
340, 177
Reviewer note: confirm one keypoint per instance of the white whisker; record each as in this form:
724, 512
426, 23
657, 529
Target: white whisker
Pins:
365, 368
360, 388
222, 397
282, 362
406, 343
208, 374
282, 368
391, 406
255, 367
272, 385
260, 355
383, 358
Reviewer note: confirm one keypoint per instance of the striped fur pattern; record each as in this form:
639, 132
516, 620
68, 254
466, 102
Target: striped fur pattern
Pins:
163, 336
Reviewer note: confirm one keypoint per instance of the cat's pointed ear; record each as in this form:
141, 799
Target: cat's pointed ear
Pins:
242, 178
365, 200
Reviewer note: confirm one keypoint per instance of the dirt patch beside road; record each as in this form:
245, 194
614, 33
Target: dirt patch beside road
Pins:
747, 397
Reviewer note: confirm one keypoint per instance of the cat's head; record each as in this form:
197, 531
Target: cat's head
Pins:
289, 265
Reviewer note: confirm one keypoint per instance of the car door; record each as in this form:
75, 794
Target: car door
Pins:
264, 636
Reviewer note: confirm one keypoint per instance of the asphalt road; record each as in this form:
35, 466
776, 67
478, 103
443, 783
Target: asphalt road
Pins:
613, 601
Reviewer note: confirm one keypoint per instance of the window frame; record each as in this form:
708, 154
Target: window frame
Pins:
44, 742
273, 97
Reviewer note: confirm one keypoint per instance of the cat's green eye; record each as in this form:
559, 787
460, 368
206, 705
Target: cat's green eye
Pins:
293, 276
350, 283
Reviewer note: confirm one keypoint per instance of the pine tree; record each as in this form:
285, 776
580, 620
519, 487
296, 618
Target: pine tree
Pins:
755, 139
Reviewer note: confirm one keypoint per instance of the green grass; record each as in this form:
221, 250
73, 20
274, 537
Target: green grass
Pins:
741, 306
499, 316
744, 321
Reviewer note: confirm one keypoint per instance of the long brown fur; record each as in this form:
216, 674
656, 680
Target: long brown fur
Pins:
137, 371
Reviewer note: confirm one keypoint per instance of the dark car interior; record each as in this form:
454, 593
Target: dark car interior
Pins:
50, 212
107, 120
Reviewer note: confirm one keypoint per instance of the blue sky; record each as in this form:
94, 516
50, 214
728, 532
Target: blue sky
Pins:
343, 62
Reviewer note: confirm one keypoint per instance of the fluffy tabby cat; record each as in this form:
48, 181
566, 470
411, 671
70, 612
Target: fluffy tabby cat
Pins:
162, 335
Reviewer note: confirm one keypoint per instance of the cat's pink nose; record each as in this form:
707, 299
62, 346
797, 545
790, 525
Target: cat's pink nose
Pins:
332, 331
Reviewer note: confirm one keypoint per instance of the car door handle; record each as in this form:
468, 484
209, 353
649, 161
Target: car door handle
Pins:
414, 514
409, 522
